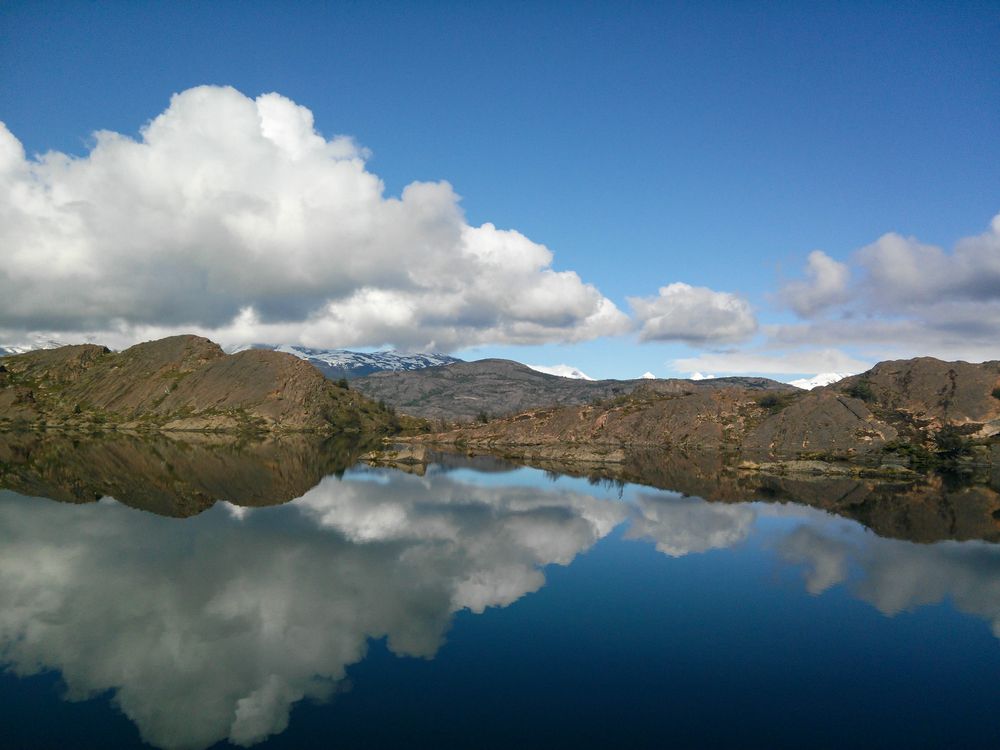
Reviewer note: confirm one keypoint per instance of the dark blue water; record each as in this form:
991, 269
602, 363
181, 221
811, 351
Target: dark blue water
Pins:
490, 610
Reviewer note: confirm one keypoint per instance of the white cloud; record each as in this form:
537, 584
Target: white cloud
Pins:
909, 299
825, 285
773, 362
233, 217
903, 274
695, 315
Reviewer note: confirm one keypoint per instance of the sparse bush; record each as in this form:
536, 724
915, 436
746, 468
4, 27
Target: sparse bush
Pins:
483, 417
951, 443
342, 383
996, 392
861, 390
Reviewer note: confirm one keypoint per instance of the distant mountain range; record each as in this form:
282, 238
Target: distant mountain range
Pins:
497, 387
818, 381
341, 363
31, 345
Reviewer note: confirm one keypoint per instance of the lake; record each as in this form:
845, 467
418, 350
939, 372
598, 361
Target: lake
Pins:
194, 594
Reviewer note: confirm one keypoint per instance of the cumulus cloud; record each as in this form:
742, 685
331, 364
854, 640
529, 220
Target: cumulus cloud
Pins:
908, 298
825, 285
693, 314
234, 216
904, 274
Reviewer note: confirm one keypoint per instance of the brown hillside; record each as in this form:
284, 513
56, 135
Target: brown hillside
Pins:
180, 383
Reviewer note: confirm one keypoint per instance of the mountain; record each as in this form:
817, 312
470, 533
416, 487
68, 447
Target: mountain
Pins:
816, 381
496, 387
341, 363
562, 371
28, 345
179, 383
921, 411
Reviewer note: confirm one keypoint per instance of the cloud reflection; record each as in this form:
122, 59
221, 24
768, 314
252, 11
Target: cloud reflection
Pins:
212, 628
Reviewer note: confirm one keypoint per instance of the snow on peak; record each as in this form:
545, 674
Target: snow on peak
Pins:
563, 371
648, 376
700, 376
823, 378
30, 345
344, 363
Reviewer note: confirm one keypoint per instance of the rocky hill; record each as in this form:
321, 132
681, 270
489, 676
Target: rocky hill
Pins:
469, 391
921, 410
179, 383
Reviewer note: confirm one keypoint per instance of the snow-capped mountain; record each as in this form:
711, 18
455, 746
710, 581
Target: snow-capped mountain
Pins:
341, 363
28, 345
563, 371
648, 376
824, 378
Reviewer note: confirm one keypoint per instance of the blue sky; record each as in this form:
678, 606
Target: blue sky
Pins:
644, 144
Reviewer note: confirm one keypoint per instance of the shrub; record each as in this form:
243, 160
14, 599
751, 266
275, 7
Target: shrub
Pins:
342, 383
861, 390
996, 392
951, 443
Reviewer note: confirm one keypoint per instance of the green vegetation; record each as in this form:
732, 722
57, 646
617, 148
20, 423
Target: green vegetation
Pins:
861, 390
996, 392
772, 403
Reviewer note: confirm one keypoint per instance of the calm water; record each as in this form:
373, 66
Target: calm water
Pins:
505, 607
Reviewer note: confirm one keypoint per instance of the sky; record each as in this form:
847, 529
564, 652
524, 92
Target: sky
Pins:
717, 188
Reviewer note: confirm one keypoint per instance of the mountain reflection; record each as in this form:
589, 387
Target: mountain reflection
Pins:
213, 628
167, 475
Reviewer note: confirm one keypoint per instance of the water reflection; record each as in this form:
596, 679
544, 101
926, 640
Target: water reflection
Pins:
213, 628
170, 475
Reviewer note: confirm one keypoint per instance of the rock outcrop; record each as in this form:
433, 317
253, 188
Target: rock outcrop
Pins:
917, 408
179, 383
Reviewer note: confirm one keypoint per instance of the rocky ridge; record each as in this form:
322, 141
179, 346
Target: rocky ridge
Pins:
178, 383
911, 412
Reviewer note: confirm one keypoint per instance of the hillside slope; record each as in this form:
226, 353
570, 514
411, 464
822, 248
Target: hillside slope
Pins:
914, 408
466, 391
179, 383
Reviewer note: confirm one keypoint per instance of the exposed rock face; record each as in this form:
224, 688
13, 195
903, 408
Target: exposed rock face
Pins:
495, 387
895, 404
180, 383
827, 422
932, 391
